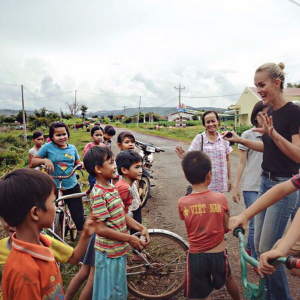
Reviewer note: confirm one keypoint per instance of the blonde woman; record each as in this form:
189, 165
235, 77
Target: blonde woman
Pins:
281, 156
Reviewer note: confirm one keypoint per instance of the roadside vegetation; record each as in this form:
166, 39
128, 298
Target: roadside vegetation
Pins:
14, 150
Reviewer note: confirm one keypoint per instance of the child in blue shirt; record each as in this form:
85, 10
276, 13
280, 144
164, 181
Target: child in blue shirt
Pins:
59, 159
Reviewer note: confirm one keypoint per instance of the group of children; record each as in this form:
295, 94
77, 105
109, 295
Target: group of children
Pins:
31, 271
30, 257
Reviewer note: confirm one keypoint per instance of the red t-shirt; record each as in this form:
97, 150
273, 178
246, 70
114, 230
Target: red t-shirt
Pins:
203, 214
126, 193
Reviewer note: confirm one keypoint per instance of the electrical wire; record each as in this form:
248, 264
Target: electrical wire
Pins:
168, 101
215, 96
19, 85
49, 96
104, 95
29, 92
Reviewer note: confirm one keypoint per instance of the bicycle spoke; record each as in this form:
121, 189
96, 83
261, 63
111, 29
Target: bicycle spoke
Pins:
164, 277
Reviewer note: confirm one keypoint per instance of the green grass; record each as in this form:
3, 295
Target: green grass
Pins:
181, 134
80, 138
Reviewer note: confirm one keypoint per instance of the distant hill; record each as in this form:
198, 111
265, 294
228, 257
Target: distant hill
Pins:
162, 111
13, 112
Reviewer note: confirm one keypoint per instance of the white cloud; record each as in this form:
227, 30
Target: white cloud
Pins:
124, 50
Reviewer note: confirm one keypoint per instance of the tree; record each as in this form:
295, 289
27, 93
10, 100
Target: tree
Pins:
291, 85
73, 107
83, 109
41, 113
66, 116
19, 116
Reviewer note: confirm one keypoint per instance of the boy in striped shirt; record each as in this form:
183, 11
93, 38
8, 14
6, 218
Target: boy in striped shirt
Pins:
112, 240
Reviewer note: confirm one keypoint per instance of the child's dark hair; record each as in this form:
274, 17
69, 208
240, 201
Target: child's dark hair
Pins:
124, 134
209, 112
110, 130
57, 124
96, 156
95, 128
196, 165
259, 106
125, 159
37, 134
21, 190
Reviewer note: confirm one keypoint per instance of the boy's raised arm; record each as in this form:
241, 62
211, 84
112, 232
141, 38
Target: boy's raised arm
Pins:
273, 195
138, 226
226, 221
103, 230
87, 232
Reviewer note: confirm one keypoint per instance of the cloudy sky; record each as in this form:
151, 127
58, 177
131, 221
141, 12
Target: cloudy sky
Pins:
114, 51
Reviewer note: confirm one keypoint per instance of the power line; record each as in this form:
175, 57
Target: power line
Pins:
293, 66
292, 60
49, 96
215, 96
29, 92
168, 101
289, 54
103, 95
18, 85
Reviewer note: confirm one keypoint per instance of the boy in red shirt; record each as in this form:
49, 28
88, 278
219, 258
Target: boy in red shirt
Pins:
27, 202
129, 164
206, 216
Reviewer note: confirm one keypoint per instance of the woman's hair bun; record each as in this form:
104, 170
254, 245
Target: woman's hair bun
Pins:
281, 65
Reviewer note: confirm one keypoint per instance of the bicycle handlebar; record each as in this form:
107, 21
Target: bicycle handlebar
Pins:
290, 261
60, 177
148, 147
71, 196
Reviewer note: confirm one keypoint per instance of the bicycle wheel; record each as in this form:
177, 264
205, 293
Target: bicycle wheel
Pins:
144, 189
164, 277
59, 224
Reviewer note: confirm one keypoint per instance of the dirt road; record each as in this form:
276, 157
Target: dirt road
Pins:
170, 185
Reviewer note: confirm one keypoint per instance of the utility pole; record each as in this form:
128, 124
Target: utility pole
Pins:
295, 2
60, 114
124, 110
75, 108
24, 117
138, 115
179, 89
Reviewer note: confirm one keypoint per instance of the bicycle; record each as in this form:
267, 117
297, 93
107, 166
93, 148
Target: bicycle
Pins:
63, 222
254, 291
159, 272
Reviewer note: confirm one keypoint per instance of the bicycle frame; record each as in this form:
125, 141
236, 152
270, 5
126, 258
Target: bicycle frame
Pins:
60, 204
61, 208
253, 291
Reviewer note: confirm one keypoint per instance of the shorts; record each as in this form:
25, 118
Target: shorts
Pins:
204, 273
89, 256
75, 206
110, 282
92, 181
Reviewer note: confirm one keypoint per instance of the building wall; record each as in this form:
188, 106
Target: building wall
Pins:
243, 108
183, 115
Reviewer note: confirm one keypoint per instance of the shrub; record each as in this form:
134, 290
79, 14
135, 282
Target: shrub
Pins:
8, 158
240, 129
14, 140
